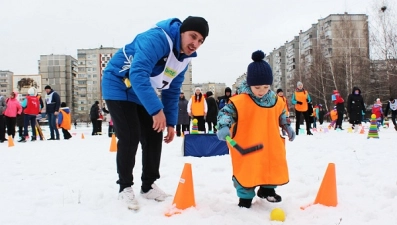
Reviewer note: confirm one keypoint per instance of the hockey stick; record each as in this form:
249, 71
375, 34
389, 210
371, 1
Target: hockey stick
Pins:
243, 151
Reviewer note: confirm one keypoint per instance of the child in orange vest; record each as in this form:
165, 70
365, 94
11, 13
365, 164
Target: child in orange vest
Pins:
333, 114
64, 120
253, 117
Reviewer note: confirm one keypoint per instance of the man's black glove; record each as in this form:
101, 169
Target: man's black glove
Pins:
299, 103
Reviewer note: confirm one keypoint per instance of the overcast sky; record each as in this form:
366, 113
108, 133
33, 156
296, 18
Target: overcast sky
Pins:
29, 28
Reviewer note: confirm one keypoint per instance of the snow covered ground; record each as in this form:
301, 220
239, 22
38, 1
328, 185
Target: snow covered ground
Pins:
74, 182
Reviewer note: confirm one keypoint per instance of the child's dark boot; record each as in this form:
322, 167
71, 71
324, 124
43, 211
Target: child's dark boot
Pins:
269, 194
246, 203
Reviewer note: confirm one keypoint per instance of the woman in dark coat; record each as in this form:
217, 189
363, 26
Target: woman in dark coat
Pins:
183, 116
355, 106
212, 112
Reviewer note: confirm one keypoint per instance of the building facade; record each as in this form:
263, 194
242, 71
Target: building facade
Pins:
59, 72
87, 85
5, 82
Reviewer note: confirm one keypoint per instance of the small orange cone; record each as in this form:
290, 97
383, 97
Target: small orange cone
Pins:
10, 141
362, 131
327, 194
82, 136
184, 197
113, 144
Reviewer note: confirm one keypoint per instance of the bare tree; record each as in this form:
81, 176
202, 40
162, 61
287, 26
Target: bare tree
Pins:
383, 40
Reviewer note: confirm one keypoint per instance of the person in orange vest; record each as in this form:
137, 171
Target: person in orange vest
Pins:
301, 98
333, 114
65, 121
197, 108
280, 93
254, 117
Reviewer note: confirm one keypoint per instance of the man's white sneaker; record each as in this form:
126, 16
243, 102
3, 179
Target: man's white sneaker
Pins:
155, 193
128, 196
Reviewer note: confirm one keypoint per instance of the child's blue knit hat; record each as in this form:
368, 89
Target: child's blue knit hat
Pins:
259, 71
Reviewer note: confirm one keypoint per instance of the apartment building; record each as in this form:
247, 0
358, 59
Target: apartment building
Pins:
278, 68
218, 89
341, 33
5, 82
91, 63
291, 66
59, 72
307, 46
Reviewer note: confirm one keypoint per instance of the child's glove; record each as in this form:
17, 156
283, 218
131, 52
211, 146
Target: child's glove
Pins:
299, 103
222, 133
290, 132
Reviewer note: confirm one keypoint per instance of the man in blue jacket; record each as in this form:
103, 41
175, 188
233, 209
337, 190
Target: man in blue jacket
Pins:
53, 102
156, 59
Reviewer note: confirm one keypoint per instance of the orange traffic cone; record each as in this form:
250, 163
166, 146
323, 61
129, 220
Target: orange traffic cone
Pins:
184, 197
113, 144
82, 136
362, 131
327, 194
10, 141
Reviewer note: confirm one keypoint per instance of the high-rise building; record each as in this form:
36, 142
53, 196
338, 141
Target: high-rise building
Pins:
278, 68
291, 66
91, 63
5, 82
307, 45
218, 89
59, 72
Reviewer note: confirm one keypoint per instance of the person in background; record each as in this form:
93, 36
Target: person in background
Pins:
254, 116
183, 117
355, 107
280, 93
65, 121
212, 112
156, 59
94, 116
320, 114
39, 116
223, 100
53, 102
31, 105
315, 115
3, 107
377, 110
20, 124
197, 108
301, 98
392, 106
333, 114
340, 107
13, 109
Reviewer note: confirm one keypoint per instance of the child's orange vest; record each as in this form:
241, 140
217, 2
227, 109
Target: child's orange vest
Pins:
334, 115
255, 125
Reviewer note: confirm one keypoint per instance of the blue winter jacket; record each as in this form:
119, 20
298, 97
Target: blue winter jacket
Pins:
147, 53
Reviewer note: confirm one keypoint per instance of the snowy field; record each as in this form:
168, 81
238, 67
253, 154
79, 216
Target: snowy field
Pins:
74, 182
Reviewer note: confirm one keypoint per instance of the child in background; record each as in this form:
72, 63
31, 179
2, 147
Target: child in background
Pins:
110, 129
64, 120
320, 114
377, 110
254, 116
334, 116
